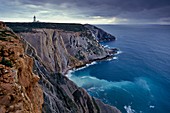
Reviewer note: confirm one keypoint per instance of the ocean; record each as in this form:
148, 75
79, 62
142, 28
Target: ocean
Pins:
137, 80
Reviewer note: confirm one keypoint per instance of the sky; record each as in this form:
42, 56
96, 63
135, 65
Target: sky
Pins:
87, 11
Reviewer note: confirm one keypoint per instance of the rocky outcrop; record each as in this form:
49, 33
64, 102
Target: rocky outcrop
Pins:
100, 35
64, 50
62, 95
19, 88
2, 25
54, 52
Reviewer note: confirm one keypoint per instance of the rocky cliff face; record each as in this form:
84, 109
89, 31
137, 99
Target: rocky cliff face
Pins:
100, 35
19, 88
62, 95
55, 51
63, 50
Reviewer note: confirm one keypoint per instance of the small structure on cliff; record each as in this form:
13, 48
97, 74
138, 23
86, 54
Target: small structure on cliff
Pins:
34, 19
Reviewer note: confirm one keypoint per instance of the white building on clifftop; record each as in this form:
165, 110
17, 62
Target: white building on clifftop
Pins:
34, 19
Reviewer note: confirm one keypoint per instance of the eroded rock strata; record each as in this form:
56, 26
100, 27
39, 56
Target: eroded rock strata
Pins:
63, 50
100, 35
19, 88
55, 51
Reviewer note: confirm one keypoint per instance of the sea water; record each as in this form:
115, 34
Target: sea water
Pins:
138, 79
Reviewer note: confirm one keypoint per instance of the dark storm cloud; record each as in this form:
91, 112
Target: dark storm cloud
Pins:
109, 8
146, 10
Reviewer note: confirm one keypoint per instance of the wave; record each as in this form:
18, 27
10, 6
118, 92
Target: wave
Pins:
151, 106
113, 58
106, 46
119, 52
69, 73
95, 85
87, 65
129, 109
90, 81
142, 83
101, 84
99, 87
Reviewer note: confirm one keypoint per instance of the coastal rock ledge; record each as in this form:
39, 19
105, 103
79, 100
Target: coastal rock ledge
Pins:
35, 60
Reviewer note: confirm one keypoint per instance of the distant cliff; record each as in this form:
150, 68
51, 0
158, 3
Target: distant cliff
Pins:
55, 50
100, 35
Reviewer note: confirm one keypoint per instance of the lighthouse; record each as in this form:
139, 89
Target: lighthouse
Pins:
34, 19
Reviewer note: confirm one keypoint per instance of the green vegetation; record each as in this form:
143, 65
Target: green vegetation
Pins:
3, 39
95, 104
27, 27
6, 33
80, 55
6, 62
2, 33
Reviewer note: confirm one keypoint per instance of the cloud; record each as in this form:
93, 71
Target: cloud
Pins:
113, 10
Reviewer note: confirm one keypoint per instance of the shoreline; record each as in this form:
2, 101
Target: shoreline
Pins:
111, 56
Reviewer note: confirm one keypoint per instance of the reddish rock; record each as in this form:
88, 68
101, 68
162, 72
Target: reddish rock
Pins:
2, 25
19, 88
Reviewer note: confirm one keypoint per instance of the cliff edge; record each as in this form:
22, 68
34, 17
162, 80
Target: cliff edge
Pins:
19, 88
55, 49
100, 35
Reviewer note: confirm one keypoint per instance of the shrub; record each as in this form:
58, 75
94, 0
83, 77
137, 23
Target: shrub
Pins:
3, 39
6, 62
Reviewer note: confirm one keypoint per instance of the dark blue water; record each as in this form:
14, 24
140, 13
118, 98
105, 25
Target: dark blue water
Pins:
138, 81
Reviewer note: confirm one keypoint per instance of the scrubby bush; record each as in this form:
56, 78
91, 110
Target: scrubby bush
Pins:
6, 62
27, 27
3, 39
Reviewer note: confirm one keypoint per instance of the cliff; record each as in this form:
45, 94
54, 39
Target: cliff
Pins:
55, 50
64, 50
100, 35
19, 88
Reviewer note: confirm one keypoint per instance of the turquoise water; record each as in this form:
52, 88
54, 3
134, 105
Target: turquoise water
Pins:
138, 79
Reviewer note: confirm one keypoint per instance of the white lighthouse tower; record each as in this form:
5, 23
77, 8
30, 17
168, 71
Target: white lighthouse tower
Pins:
34, 19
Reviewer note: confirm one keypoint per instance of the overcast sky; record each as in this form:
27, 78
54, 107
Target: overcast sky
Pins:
87, 11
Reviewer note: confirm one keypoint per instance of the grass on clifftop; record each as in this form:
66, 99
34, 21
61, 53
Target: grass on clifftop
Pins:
27, 27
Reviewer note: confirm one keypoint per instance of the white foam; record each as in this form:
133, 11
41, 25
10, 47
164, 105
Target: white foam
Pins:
80, 68
119, 52
99, 84
109, 59
113, 58
85, 80
142, 83
151, 106
92, 88
87, 65
129, 109
69, 73
87, 77
94, 84
91, 63
106, 46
